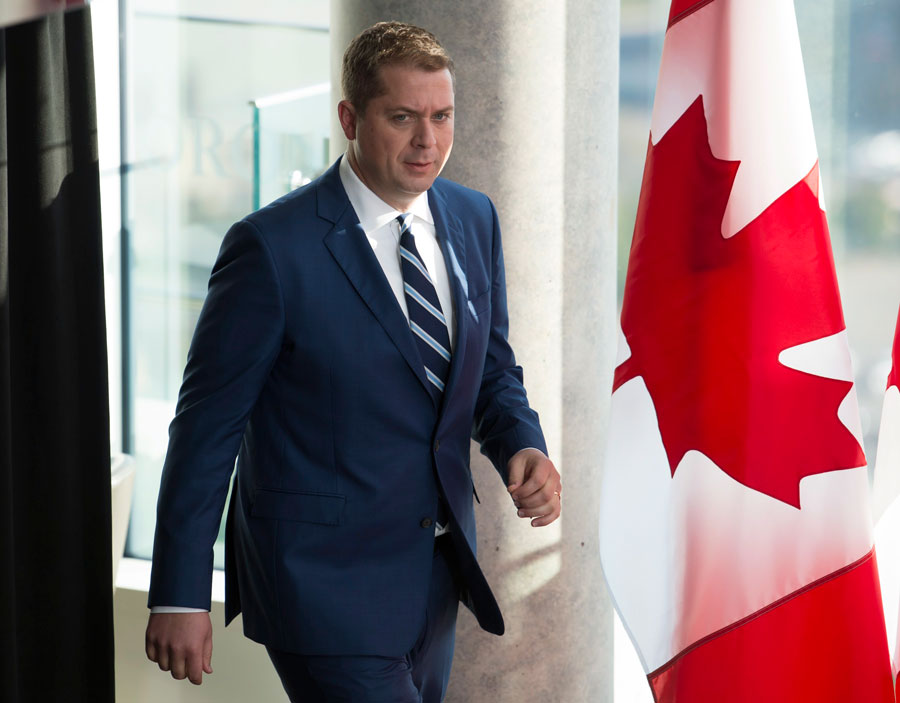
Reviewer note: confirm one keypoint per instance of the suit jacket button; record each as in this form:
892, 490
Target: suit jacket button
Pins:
426, 522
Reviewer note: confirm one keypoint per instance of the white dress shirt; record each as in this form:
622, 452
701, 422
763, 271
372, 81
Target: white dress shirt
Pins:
379, 222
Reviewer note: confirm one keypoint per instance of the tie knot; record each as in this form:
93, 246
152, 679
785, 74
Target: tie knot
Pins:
404, 220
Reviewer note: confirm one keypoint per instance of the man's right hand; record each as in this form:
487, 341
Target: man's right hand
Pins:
181, 643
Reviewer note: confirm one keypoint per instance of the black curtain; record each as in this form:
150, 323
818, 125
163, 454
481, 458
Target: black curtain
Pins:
56, 628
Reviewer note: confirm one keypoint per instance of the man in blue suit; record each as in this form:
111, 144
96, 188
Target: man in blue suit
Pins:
353, 339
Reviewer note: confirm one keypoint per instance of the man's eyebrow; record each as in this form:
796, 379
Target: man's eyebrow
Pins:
413, 111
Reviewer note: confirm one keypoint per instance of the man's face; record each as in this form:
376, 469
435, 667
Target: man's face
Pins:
402, 141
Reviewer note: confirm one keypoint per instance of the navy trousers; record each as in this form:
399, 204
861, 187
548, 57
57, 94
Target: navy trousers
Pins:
417, 676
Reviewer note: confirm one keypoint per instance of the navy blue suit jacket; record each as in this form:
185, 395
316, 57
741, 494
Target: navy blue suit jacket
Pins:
303, 366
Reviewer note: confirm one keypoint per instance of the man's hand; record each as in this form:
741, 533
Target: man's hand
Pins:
181, 643
535, 486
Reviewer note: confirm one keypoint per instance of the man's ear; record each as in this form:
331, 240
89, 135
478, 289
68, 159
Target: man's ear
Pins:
347, 117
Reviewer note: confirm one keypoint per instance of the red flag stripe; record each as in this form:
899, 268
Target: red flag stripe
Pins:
894, 377
826, 643
682, 8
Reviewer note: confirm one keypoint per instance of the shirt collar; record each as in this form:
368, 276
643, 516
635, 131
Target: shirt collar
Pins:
372, 211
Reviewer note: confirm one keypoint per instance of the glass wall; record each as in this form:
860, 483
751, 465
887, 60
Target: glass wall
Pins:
195, 74
865, 200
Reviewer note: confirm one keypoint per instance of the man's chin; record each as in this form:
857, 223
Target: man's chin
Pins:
419, 184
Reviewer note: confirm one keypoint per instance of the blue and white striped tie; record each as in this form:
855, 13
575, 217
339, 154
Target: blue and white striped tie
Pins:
426, 319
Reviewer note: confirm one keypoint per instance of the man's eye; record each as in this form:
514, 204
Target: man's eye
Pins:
401, 118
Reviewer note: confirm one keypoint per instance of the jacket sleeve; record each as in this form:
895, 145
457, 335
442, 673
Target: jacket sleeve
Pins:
235, 344
504, 422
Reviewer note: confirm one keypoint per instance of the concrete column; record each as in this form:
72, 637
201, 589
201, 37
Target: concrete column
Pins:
536, 129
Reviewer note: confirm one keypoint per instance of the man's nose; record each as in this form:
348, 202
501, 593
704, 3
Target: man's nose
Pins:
424, 134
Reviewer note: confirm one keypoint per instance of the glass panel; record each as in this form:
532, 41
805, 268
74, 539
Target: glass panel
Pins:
105, 29
195, 68
864, 195
291, 134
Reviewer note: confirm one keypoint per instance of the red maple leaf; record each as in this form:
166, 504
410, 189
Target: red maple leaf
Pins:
706, 318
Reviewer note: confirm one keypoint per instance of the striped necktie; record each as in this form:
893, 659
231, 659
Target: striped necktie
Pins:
426, 319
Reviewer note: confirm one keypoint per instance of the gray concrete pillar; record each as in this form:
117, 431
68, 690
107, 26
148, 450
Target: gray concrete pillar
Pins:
536, 129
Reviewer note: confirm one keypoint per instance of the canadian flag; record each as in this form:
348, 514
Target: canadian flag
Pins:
735, 531
886, 500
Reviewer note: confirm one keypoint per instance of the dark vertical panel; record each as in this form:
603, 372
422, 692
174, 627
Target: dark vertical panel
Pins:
55, 391
8, 602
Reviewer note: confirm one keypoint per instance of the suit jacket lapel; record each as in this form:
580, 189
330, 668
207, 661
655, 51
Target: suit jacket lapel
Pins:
451, 236
348, 245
